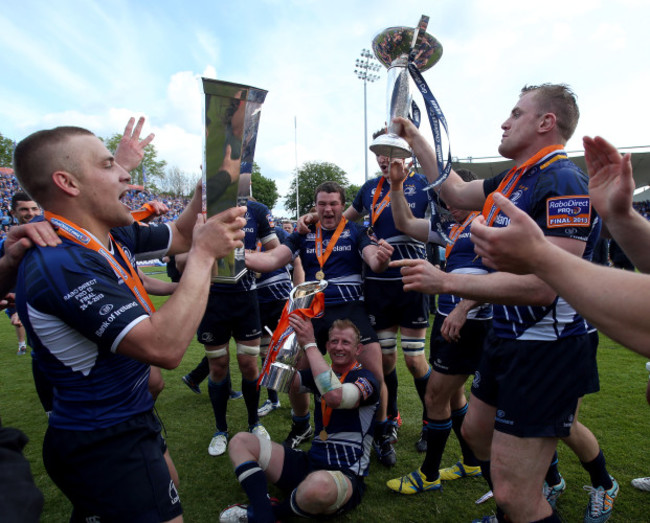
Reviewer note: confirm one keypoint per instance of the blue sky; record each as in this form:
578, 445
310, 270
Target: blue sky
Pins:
96, 63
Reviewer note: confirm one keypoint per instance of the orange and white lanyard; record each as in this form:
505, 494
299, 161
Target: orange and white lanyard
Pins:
80, 236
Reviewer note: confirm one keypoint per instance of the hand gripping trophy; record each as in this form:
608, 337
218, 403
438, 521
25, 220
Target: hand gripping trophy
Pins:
405, 50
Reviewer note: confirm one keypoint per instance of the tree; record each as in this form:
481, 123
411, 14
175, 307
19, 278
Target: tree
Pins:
6, 151
264, 189
350, 192
310, 176
176, 182
153, 168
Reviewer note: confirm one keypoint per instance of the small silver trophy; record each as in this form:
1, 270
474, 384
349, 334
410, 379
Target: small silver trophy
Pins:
393, 47
232, 116
280, 367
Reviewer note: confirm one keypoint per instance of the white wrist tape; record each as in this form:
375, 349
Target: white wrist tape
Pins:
327, 381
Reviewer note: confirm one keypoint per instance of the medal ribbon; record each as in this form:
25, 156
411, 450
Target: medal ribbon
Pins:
327, 411
457, 230
80, 236
143, 212
322, 257
376, 210
283, 330
510, 180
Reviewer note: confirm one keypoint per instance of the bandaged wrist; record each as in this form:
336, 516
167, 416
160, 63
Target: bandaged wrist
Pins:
307, 345
327, 381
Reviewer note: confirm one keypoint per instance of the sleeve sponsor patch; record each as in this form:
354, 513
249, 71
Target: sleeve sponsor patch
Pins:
568, 211
365, 387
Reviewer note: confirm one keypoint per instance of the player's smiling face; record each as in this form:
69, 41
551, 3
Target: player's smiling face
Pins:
343, 347
329, 209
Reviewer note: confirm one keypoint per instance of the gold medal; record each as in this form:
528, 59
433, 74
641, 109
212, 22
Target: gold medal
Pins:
323, 435
257, 275
320, 275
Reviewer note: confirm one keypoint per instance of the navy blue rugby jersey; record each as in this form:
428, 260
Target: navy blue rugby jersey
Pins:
554, 193
342, 269
384, 227
462, 260
349, 431
76, 311
259, 227
275, 285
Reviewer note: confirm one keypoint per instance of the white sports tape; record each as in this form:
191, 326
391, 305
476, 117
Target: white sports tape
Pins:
327, 381
249, 350
387, 342
341, 490
265, 453
350, 396
413, 346
218, 353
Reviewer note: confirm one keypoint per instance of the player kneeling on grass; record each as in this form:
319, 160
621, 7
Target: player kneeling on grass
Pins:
329, 478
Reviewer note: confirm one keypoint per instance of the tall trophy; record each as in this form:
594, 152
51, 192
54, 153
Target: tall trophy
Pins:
284, 350
232, 115
395, 47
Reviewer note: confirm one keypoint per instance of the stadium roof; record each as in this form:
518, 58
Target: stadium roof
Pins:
487, 169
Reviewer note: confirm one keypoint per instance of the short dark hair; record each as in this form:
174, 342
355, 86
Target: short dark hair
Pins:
345, 324
18, 197
560, 100
378, 133
330, 187
36, 158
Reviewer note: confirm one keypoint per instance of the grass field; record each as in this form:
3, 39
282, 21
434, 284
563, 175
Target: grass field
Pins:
618, 415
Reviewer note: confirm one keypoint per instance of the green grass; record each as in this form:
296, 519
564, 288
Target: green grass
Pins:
618, 416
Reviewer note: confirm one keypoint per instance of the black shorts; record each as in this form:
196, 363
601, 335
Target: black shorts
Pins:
388, 305
270, 313
462, 357
534, 385
297, 466
230, 315
351, 310
592, 383
118, 473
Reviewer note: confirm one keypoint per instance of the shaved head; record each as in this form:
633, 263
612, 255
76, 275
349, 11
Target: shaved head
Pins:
43, 153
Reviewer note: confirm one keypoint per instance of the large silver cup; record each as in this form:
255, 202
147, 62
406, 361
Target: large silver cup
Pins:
232, 116
280, 373
392, 48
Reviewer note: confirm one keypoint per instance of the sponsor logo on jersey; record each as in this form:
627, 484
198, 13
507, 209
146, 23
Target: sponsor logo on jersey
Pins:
568, 211
106, 309
409, 190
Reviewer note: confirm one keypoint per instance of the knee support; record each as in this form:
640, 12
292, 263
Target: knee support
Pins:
247, 350
387, 342
341, 490
413, 346
265, 453
216, 353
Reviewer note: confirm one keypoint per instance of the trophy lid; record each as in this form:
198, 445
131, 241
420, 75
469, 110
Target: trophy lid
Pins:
394, 42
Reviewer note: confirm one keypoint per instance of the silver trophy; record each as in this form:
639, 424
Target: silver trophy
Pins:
232, 116
279, 374
392, 47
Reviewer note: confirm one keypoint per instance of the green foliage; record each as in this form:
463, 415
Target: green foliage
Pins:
310, 176
264, 189
153, 167
350, 192
6, 151
618, 416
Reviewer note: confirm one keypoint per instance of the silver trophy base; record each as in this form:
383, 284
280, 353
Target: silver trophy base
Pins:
391, 146
279, 377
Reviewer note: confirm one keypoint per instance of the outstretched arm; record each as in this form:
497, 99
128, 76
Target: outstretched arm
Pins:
611, 187
454, 191
267, 261
417, 228
614, 301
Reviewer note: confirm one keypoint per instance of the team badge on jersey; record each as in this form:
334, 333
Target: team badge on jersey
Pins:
568, 211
